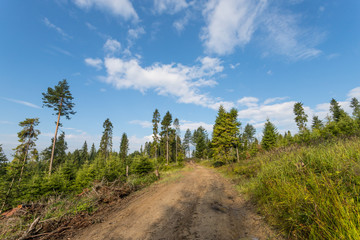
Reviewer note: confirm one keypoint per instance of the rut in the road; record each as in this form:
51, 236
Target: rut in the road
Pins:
199, 205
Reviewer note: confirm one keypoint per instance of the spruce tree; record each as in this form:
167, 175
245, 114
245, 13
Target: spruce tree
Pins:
354, 104
165, 127
92, 152
269, 135
59, 99
316, 123
249, 133
186, 142
106, 139
155, 122
225, 134
200, 142
336, 110
124, 148
84, 153
59, 156
300, 116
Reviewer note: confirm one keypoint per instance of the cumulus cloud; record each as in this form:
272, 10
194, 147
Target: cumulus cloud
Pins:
94, 62
230, 23
49, 24
123, 8
182, 22
176, 80
169, 6
112, 46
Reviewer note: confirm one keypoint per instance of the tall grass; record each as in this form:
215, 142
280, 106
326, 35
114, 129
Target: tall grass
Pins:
309, 192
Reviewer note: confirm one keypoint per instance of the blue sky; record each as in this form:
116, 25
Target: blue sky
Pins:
125, 58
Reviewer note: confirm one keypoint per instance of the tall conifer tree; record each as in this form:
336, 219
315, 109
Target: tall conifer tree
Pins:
106, 139
155, 122
165, 127
59, 99
269, 135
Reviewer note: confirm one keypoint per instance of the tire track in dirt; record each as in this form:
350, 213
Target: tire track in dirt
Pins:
199, 205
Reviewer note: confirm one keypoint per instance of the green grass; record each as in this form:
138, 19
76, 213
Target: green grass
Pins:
308, 192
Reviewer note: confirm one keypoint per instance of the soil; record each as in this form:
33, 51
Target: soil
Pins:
198, 204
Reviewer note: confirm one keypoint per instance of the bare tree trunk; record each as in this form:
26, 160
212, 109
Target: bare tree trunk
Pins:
53, 147
176, 148
127, 170
167, 147
237, 154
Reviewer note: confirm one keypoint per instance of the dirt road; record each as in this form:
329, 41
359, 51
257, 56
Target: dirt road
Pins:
196, 204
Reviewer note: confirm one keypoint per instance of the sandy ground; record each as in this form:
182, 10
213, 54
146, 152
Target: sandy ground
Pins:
197, 204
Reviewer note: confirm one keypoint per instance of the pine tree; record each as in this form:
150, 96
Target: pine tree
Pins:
92, 152
27, 137
300, 116
106, 139
59, 99
354, 104
186, 142
177, 133
316, 123
155, 122
165, 127
269, 135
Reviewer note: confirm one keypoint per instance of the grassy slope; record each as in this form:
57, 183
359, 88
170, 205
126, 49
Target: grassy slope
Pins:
308, 192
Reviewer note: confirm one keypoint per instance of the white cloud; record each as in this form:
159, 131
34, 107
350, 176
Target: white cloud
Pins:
143, 124
180, 24
233, 66
135, 33
184, 125
135, 142
90, 26
94, 62
285, 37
112, 46
22, 102
122, 8
169, 6
354, 93
60, 50
177, 80
49, 24
269, 72
276, 99
230, 23
248, 101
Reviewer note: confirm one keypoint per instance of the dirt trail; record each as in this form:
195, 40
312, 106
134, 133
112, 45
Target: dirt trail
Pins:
199, 204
